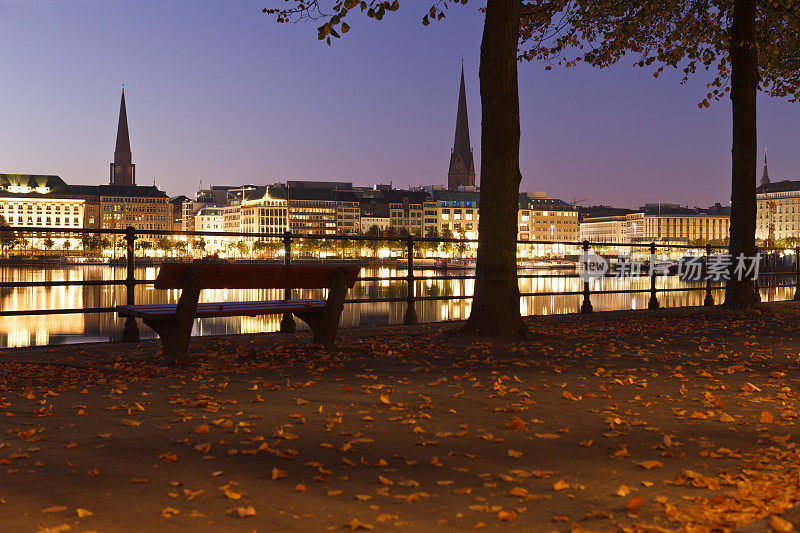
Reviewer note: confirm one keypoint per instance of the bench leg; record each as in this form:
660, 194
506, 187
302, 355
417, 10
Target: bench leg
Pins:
176, 331
325, 323
175, 343
130, 333
314, 321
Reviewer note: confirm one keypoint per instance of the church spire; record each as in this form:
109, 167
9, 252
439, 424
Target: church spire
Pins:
123, 139
765, 175
123, 171
462, 121
462, 165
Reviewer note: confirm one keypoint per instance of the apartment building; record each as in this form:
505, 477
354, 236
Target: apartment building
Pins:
406, 210
550, 219
659, 224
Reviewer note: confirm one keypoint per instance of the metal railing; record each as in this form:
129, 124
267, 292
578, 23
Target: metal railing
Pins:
130, 235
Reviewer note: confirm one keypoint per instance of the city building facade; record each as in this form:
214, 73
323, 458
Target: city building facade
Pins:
452, 212
406, 210
778, 212
211, 219
34, 201
312, 211
373, 210
264, 210
606, 229
548, 219
348, 213
659, 223
144, 208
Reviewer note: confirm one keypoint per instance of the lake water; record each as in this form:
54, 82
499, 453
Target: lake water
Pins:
17, 331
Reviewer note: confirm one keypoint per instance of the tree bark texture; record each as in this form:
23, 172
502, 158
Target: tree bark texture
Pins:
495, 306
739, 294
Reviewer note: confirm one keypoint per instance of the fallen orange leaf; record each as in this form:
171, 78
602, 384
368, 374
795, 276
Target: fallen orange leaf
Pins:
634, 504
517, 424
647, 465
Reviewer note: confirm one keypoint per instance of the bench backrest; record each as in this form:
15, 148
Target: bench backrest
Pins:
172, 275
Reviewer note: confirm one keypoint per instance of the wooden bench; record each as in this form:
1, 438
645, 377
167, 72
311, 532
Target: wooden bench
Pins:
173, 322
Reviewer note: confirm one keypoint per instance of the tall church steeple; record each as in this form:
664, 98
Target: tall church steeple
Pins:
765, 175
462, 165
123, 171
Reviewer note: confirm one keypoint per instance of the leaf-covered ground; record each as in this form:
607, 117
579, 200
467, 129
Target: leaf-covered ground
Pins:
681, 420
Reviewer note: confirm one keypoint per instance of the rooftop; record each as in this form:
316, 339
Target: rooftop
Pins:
445, 195
34, 185
21, 182
135, 191
526, 202
779, 186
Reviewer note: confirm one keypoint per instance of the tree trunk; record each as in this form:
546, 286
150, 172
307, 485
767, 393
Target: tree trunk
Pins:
495, 306
739, 294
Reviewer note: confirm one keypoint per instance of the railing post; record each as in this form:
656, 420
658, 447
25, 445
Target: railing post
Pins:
287, 322
709, 300
756, 291
586, 307
411, 313
797, 274
130, 333
653, 303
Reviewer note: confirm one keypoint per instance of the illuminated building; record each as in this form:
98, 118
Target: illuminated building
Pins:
538, 217
778, 210
263, 210
368, 221
373, 209
311, 211
660, 224
453, 211
211, 219
33, 201
322, 207
608, 228
177, 203
141, 207
406, 210
548, 219
679, 228
348, 213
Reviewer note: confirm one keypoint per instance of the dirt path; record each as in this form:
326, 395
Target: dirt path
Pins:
676, 419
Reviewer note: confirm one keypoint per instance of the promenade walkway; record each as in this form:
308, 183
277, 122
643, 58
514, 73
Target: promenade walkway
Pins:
670, 420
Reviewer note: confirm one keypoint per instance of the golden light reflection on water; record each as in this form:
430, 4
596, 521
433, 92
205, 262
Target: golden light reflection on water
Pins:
18, 331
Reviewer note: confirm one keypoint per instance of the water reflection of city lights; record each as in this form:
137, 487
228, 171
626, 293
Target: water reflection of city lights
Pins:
19, 331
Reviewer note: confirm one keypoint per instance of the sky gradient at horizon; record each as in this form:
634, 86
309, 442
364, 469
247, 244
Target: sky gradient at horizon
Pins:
218, 91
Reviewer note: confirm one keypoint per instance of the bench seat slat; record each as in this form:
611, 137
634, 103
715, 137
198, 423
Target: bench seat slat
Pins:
298, 301
222, 309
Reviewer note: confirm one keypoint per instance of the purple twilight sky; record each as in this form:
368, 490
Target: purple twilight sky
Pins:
217, 91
